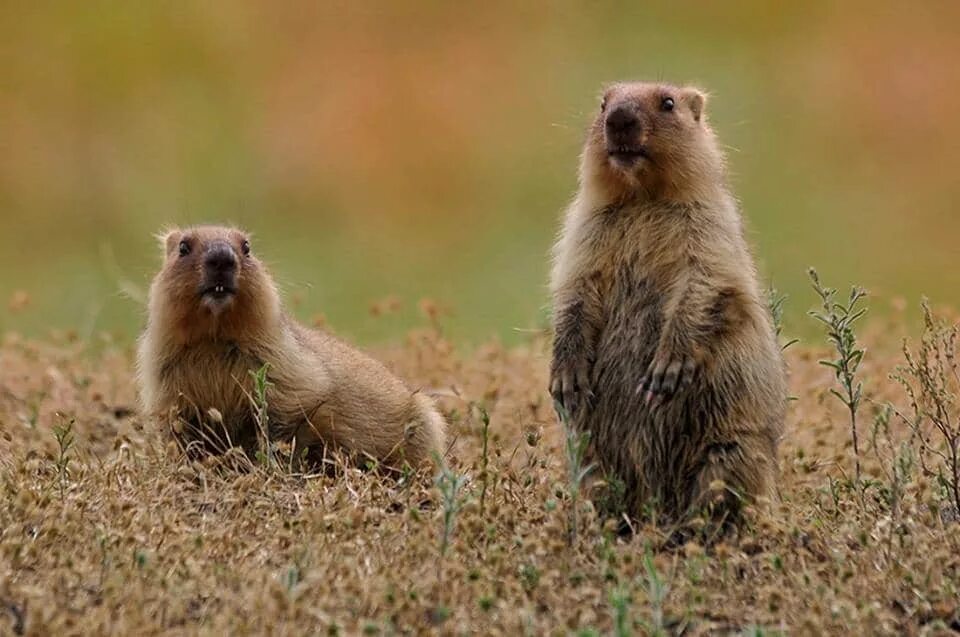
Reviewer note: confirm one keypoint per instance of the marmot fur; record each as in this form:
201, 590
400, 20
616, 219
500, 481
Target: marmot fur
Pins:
215, 316
664, 348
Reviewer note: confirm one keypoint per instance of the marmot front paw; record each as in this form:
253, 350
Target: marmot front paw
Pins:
570, 385
667, 374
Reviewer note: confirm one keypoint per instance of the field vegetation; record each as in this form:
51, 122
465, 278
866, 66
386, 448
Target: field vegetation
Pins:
107, 528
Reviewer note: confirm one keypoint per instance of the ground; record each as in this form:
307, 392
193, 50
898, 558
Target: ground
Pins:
105, 529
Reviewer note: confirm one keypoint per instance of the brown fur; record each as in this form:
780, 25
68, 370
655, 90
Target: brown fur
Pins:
197, 355
664, 349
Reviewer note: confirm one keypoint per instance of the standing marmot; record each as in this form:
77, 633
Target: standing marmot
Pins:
664, 348
215, 316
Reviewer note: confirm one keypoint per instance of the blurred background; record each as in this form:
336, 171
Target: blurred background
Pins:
387, 153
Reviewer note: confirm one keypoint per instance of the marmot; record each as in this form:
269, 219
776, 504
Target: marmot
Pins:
664, 348
214, 316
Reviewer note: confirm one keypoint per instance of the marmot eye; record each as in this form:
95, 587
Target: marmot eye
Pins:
245, 248
666, 104
603, 105
184, 248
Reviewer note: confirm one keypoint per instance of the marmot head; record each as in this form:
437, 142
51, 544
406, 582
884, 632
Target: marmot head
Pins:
651, 140
212, 286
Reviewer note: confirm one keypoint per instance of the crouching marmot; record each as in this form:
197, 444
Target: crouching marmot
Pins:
664, 349
214, 316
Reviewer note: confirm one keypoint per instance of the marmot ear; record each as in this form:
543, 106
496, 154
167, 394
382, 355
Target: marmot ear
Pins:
697, 101
169, 239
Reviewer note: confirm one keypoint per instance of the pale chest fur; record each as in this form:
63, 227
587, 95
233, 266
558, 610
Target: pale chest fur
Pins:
604, 246
209, 376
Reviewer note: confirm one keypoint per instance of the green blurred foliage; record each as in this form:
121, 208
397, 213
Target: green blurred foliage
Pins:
426, 149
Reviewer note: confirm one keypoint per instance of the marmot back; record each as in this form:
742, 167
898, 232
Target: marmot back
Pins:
664, 349
214, 317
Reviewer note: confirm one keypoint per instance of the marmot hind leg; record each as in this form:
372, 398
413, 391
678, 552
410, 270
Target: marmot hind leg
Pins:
730, 477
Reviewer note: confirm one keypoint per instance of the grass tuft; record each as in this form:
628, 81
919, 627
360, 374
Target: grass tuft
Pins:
838, 319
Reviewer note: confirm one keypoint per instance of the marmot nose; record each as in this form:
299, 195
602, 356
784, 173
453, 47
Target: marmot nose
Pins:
621, 120
220, 258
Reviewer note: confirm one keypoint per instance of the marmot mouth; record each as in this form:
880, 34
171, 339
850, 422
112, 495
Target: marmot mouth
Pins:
627, 154
218, 291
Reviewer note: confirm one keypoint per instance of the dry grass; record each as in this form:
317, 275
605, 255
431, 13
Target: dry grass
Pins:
115, 534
